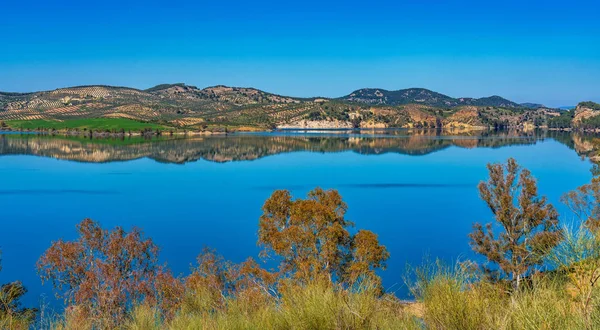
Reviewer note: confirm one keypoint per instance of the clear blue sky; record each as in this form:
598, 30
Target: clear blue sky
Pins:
537, 51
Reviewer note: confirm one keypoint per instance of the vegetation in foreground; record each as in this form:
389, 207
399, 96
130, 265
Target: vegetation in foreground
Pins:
12, 315
536, 275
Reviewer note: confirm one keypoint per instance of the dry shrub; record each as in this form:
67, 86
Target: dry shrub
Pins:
105, 273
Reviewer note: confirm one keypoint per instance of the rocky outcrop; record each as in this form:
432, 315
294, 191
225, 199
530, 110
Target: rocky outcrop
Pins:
419, 117
584, 111
372, 125
467, 117
317, 124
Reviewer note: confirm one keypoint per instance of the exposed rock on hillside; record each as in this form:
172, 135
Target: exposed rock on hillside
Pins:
465, 117
585, 111
317, 124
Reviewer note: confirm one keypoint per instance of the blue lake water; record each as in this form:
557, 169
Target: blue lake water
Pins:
417, 192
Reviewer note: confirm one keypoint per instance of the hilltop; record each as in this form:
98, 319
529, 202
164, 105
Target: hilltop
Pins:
218, 108
423, 96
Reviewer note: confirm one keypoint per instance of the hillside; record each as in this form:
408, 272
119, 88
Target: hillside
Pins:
182, 106
532, 105
586, 116
176, 105
422, 96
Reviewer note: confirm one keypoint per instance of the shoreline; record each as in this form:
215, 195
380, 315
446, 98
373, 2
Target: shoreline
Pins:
100, 134
151, 133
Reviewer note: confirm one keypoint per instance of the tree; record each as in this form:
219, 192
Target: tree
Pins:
356, 120
584, 202
218, 280
12, 315
526, 225
104, 273
311, 238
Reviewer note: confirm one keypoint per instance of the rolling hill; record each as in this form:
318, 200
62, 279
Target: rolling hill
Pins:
182, 106
422, 96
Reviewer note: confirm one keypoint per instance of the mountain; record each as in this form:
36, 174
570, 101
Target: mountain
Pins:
220, 107
532, 105
399, 97
491, 101
423, 96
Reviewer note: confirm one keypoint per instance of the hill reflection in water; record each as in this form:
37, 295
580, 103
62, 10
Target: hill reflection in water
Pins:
240, 147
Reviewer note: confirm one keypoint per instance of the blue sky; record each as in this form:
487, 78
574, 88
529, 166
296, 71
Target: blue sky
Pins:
536, 51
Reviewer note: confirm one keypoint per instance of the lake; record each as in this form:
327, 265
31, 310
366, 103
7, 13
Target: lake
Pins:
416, 190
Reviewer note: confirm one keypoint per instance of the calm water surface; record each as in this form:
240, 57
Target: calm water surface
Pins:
416, 191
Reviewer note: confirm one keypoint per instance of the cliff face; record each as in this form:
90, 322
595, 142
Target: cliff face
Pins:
421, 116
585, 111
317, 124
465, 117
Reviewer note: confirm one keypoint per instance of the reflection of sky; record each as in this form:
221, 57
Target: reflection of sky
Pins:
417, 205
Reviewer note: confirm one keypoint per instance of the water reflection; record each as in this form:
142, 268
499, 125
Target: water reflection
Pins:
241, 147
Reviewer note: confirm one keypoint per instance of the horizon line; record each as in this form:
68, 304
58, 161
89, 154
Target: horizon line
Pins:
278, 94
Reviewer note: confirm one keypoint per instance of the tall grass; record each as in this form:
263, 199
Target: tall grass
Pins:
317, 305
447, 297
219, 295
16, 323
454, 298
564, 298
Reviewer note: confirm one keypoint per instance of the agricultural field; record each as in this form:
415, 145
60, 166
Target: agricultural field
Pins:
89, 124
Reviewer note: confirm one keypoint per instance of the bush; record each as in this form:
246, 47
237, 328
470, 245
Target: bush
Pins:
589, 104
12, 315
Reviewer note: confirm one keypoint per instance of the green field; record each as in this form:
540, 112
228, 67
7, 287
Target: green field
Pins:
90, 124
